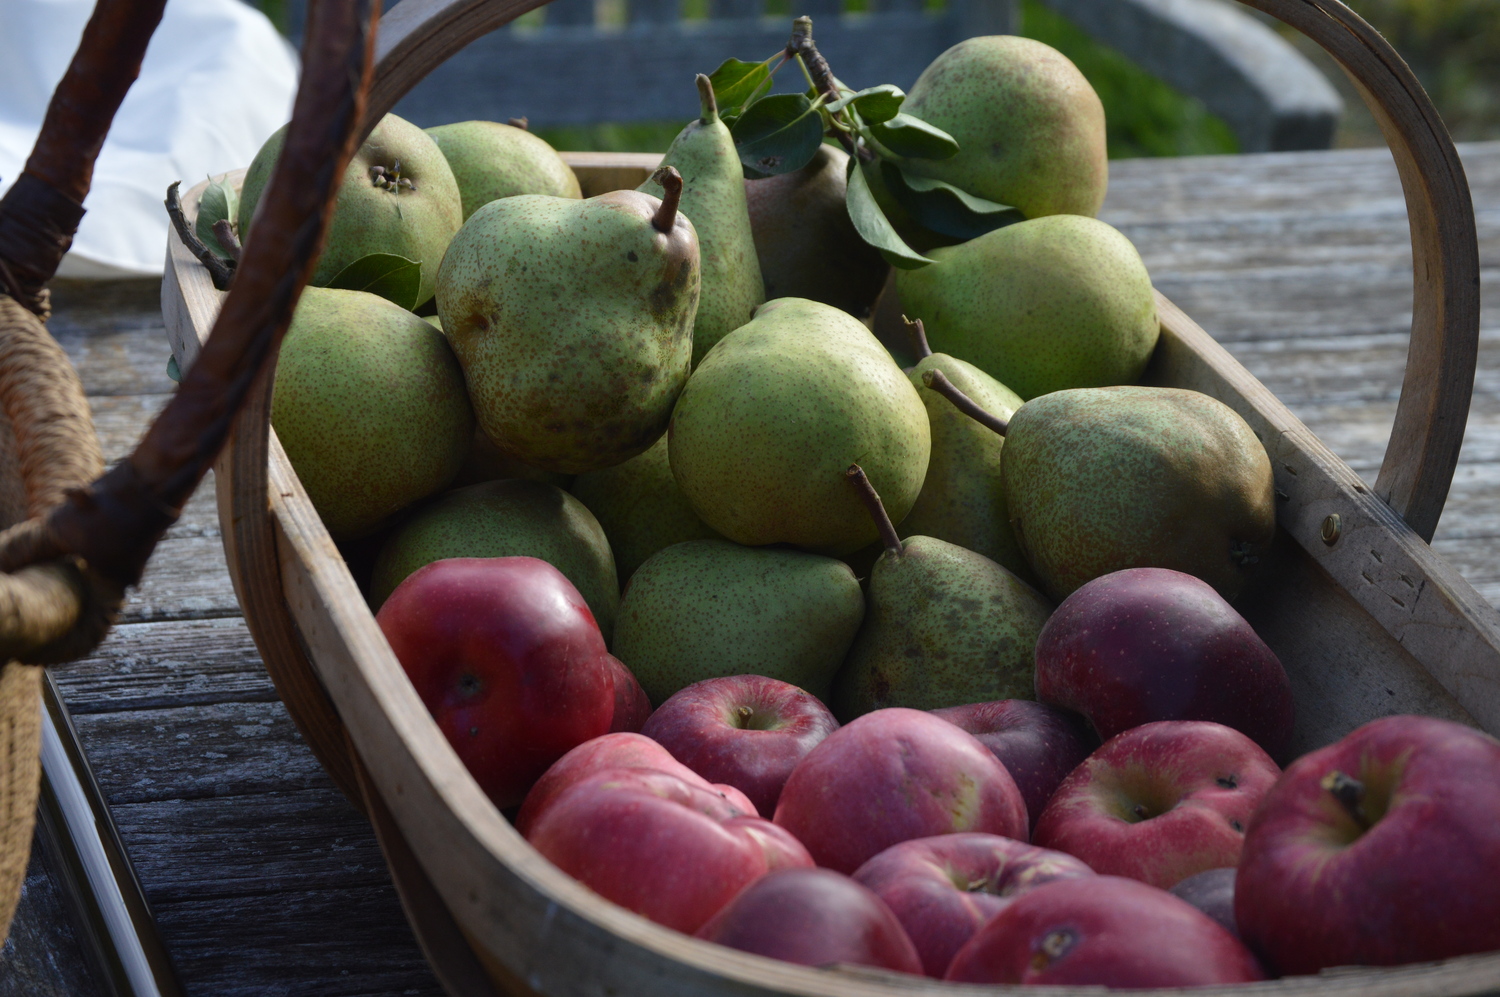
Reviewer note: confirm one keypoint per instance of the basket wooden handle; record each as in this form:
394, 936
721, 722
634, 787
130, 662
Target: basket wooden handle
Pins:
418, 35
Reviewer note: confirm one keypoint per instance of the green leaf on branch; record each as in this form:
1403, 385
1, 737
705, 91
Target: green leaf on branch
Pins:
394, 278
777, 134
219, 203
912, 138
875, 104
944, 208
738, 83
873, 226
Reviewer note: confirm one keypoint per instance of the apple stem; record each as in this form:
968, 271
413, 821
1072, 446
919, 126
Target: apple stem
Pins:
706, 98
918, 335
938, 381
671, 185
871, 499
523, 123
1350, 793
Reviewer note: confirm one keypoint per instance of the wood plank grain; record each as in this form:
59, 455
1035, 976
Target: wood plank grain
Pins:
198, 752
328, 943
168, 664
202, 849
185, 579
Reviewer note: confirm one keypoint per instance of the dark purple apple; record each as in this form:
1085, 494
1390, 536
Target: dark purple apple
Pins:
1212, 892
1104, 931
746, 731
815, 917
1380, 849
1038, 744
890, 776
1160, 802
943, 889
1149, 644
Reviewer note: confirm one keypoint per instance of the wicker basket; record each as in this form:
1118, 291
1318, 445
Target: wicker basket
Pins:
1366, 618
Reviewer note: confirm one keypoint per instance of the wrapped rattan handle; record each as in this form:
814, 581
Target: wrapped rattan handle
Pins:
418, 35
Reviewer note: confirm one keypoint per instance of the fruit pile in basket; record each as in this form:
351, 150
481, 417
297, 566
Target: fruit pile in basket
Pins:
925, 657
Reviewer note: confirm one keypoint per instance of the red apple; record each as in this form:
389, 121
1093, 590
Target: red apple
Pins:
1380, 849
1149, 644
744, 730
943, 889
816, 917
1212, 892
1038, 744
658, 845
1105, 931
1160, 802
632, 706
890, 776
619, 750
508, 659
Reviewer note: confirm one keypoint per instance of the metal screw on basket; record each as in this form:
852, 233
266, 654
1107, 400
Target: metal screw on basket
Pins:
1333, 528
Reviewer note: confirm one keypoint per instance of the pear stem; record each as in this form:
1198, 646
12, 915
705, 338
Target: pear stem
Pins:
671, 185
938, 381
224, 232
706, 98
801, 45
523, 123
871, 499
918, 337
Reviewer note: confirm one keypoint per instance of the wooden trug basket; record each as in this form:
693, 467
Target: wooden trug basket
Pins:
1366, 618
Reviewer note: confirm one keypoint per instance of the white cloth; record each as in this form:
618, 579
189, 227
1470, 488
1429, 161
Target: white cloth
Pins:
217, 81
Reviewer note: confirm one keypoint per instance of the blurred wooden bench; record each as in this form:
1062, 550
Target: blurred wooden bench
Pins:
577, 62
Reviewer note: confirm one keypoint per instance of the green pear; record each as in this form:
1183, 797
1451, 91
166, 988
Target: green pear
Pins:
369, 404
709, 608
1103, 479
398, 196
573, 321
963, 497
491, 161
943, 626
1042, 305
513, 518
640, 507
805, 242
713, 196
487, 462
778, 410
1030, 129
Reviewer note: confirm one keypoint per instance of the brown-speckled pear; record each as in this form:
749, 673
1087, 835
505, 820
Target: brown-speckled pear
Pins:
1042, 305
943, 626
398, 196
369, 403
491, 161
513, 518
805, 242
1104, 479
573, 321
640, 507
713, 196
1030, 128
776, 413
963, 498
708, 608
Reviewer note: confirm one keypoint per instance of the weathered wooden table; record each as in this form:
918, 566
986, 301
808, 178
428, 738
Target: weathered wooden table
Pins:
266, 882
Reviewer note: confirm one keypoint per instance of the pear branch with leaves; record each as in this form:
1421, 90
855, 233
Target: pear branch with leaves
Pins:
780, 133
